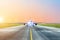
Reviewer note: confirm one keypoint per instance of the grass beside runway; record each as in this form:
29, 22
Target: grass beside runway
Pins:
5, 25
51, 25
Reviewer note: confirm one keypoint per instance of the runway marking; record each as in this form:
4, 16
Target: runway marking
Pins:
31, 34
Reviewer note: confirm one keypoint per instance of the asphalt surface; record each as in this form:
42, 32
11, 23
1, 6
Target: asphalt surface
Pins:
34, 33
20, 35
14, 33
41, 33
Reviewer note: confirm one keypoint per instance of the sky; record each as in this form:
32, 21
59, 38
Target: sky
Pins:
14, 11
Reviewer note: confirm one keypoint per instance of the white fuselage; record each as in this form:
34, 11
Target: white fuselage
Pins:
30, 24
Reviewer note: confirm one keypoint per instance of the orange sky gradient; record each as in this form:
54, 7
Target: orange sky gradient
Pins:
14, 11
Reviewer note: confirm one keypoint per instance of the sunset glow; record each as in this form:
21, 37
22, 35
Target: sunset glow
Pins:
1, 19
23, 10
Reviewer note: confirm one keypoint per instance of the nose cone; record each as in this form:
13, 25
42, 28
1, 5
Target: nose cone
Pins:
30, 23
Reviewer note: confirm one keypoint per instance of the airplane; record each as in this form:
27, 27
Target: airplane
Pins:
30, 23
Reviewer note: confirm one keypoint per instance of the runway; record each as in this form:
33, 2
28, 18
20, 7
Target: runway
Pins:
32, 33
44, 33
14, 33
